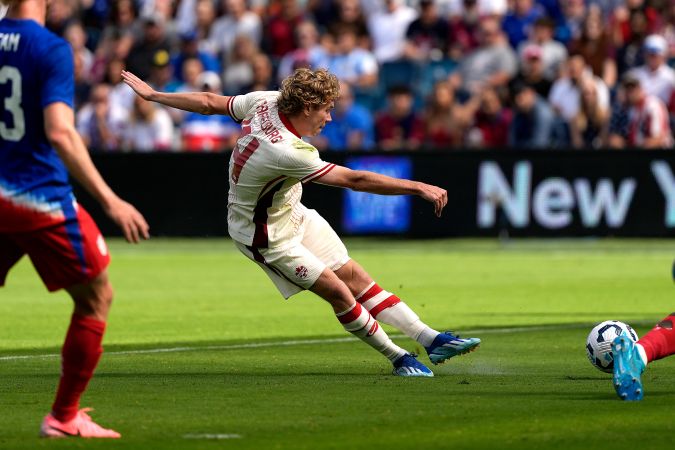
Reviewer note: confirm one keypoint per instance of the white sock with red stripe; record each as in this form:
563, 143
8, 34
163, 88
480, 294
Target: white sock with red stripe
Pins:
358, 321
389, 309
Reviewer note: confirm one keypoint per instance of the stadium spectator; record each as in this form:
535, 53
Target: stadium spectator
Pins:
205, 18
153, 38
238, 72
399, 127
570, 24
82, 82
631, 358
296, 247
149, 128
464, 26
40, 215
630, 53
532, 70
60, 14
553, 54
161, 72
119, 33
352, 126
348, 62
387, 29
492, 64
77, 38
239, 20
607, 8
308, 52
278, 33
668, 32
427, 36
189, 48
445, 119
212, 133
624, 17
192, 67
491, 123
120, 94
618, 120
565, 95
533, 124
520, 18
588, 129
349, 12
100, 122
596, 46
263, 74
656, 77
648, 124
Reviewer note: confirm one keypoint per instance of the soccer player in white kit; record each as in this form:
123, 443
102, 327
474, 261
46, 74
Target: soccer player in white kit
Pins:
294, 245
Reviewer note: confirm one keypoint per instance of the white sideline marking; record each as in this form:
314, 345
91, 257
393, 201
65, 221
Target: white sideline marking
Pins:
297, 342
211, 436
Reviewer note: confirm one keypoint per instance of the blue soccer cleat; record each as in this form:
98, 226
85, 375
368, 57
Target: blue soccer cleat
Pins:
408, 366
628, 367
446, 345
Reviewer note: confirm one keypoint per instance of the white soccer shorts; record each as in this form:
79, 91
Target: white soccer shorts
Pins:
296, 267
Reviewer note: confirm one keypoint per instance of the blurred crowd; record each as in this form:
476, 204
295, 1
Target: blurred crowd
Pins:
415, 74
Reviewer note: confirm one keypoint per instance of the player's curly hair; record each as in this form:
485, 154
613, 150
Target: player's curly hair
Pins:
305, 88
9, 2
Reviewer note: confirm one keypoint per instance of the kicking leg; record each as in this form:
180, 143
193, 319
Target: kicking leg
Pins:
388, 308
358, 321
659, 342
630, 359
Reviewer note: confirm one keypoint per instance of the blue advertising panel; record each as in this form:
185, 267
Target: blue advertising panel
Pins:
369, 213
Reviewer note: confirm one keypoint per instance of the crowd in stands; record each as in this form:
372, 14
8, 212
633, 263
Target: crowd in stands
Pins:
415, 74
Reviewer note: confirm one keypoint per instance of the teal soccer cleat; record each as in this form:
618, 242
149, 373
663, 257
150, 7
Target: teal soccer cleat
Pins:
446, 345
408, 366
628, 367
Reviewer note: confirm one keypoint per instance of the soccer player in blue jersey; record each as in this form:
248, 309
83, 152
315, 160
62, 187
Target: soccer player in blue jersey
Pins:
39, 215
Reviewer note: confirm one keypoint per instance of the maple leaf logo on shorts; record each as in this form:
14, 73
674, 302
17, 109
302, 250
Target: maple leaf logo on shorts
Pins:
301, 272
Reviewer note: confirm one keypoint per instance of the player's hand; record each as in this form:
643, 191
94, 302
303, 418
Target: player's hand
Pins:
435, 195
128, 218
139, 86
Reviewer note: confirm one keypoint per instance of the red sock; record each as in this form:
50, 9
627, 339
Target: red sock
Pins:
660, 341
80, 354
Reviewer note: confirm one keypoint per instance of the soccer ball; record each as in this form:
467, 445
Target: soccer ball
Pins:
599, 341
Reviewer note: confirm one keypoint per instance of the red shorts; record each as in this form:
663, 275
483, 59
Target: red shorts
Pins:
64, 254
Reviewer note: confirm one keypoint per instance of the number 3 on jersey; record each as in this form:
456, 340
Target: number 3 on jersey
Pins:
13, 105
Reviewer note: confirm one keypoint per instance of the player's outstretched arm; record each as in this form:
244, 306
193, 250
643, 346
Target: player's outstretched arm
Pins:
375, 183
60, 130
199, 102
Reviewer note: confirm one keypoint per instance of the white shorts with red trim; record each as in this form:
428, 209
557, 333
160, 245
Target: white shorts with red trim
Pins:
296, 266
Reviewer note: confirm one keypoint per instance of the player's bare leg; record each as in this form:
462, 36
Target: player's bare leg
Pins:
388, 308
80, 355
358, 321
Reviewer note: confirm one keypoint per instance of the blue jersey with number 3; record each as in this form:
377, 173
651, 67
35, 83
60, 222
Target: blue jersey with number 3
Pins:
36, 70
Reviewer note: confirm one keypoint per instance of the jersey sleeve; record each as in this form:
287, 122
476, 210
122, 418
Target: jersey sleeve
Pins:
58, 75
240, 106
303, 163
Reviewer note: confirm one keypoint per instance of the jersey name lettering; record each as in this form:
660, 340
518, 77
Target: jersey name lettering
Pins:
266, 124
9, 42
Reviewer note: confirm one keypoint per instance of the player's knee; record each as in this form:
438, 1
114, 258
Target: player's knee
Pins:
93, 298
100, 299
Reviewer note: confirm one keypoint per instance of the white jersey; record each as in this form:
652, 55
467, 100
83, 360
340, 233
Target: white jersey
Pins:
267, 169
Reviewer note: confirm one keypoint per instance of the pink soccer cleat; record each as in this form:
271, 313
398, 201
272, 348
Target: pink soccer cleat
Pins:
80, 426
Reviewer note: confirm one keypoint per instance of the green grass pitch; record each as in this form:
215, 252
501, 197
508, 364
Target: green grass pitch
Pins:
202, 353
